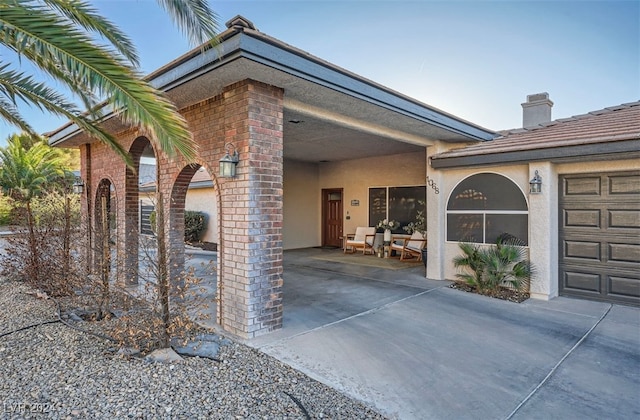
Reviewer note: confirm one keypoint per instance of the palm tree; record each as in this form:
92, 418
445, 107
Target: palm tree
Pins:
24, 175
59, 38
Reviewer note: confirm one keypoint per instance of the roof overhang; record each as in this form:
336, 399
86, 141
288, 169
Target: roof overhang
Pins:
614, 150
344, 115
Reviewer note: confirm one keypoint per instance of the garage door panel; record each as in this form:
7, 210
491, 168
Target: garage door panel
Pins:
599, 233
586, 282
624, 286
589, 186
620, 252
582, 218
626, 219
624, 184
582, 250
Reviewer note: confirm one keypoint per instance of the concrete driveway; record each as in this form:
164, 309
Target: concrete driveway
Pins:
415, 349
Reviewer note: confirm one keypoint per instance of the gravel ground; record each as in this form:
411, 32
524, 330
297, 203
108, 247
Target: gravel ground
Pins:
53, 371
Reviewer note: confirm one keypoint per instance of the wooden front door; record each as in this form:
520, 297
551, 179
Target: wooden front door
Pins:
332, 217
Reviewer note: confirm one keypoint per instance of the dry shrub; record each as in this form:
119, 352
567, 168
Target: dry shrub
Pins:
50, 256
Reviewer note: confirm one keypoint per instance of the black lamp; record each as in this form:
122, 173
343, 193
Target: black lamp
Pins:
535, 185
78, 186
229, 161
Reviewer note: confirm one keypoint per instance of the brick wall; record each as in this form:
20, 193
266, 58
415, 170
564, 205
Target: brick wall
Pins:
249, 115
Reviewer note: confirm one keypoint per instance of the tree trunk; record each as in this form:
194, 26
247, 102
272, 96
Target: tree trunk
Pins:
163, 275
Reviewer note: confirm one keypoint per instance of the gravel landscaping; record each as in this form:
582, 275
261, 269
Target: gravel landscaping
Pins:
54, 371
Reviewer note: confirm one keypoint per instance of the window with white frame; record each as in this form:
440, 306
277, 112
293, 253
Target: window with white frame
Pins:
484, 206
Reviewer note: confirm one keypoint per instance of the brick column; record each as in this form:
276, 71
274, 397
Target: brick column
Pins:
250, 255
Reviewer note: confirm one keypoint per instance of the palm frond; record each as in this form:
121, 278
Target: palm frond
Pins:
36, 32
194, 18
82, 14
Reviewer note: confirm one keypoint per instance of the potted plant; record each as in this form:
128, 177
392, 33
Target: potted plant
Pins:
419, 225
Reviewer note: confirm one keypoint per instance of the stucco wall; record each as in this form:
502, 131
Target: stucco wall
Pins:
516, 173
301, 205
357, 176
204, 200
303, 183
543, 215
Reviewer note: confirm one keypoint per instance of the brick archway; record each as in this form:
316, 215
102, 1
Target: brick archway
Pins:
131, 213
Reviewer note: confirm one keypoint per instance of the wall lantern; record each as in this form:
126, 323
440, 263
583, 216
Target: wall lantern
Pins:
78, 186
229, 161
535, 185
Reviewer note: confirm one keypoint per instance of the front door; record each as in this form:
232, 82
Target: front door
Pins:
332, 217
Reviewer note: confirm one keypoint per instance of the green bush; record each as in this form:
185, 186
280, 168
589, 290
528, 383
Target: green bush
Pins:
491, 267
195, 223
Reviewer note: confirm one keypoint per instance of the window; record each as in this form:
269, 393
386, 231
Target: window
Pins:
484, 206
395, 203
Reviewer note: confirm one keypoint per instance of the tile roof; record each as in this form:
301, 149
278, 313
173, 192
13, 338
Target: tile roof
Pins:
616, 123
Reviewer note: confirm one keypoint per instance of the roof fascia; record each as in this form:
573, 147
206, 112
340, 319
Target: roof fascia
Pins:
272, 53
626, 149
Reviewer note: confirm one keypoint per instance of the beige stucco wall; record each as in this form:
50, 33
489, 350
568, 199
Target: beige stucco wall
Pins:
303, 183
516, 173
543, 216
357, 176
204, 200
301, 205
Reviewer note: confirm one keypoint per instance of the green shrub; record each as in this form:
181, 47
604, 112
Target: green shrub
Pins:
195, 223
495, 266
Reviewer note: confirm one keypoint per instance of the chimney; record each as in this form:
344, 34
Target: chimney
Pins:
537, 110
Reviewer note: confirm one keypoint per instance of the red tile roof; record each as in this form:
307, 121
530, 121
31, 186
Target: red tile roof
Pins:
616, 123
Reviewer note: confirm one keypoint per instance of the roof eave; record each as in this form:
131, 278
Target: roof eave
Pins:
242, 42
628, 149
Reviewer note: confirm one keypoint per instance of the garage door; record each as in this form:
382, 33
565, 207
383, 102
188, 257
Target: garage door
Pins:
600, 236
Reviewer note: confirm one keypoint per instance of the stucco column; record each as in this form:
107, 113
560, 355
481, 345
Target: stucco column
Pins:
543, 232
436, 213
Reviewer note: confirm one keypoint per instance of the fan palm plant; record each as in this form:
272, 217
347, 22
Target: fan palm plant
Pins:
24, 174
59, 38
488, 268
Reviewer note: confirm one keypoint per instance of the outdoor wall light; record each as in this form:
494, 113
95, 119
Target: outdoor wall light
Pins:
78, 186
229, 161
535, 185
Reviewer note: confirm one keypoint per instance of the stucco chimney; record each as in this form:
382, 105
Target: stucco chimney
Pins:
537, 110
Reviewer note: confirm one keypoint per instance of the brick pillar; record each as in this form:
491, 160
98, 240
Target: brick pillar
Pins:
250, 255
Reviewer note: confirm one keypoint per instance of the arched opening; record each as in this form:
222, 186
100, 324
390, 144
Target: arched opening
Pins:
143, 175
484, 206
193, 233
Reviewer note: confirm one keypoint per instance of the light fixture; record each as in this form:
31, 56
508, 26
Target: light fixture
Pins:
78, 186
229, 161
535, 185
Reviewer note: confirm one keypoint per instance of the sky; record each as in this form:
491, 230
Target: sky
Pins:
477, 60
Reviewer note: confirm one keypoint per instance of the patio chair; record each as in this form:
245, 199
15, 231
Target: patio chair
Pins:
409, 247
363, 238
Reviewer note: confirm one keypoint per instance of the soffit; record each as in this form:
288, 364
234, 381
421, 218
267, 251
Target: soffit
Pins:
350, 119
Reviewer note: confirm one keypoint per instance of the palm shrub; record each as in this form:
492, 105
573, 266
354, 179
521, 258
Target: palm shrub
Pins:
488, 268
472, 260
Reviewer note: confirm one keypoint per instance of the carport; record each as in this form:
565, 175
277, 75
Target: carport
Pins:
300, 125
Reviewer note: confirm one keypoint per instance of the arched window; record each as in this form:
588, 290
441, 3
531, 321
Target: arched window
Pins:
484, 206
